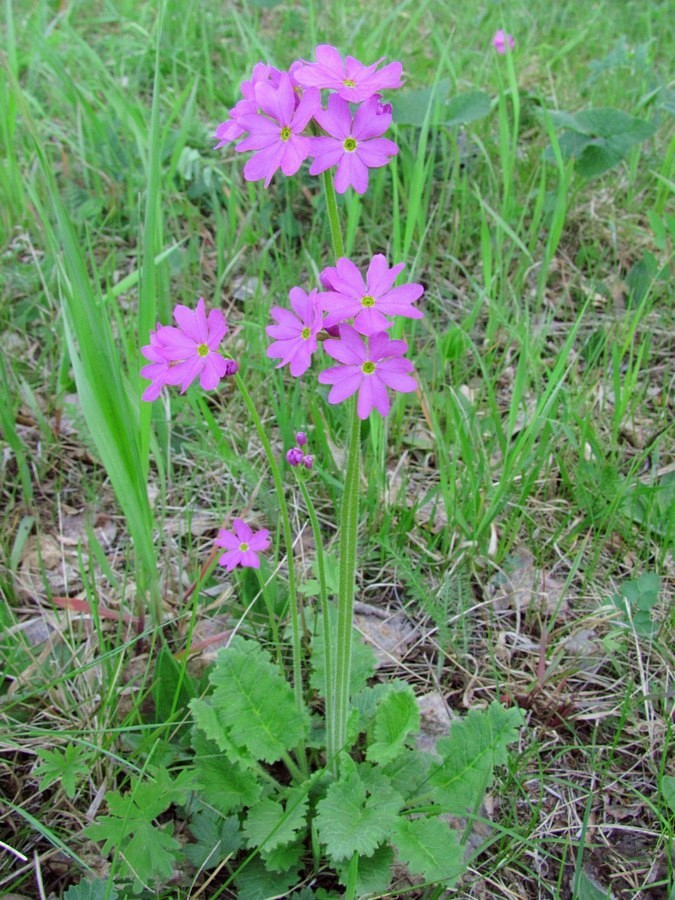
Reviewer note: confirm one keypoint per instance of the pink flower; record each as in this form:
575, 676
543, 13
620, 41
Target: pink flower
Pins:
367, 368
353, 146
242, 546
277, 135
369, 301
503, 42
351, 79
179, 355
232, 128
296, 331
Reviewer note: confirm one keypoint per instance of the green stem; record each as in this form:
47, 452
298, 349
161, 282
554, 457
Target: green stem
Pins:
288, 540
349, 522
325, 610
333, 217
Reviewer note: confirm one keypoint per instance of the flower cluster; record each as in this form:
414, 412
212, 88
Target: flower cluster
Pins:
178, 355
281, 119
296, 456
350, 319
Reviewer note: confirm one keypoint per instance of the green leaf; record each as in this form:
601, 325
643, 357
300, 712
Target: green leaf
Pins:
363, 660
271, 825
468, 107
255, 702
354, 817
429, 847
409, 771
283, 859
216, 839
256, 882
172, 689
91, 890
410, 107
668, 790
227, 785
374, 874
637, 601
208, 719
476, 744
69, 766
397, 716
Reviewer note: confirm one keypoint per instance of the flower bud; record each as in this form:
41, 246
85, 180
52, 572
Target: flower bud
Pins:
294, 456
301, 439
308, 461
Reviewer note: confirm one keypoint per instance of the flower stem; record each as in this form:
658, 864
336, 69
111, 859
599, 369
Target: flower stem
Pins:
333, 217
288, 540
349, 522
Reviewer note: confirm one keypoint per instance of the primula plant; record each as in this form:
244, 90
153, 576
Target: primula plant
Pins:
312, 767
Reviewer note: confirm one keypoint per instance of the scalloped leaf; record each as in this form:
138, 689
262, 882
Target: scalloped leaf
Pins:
271, 824
357, 815
255, 702
227, 785
396, 717
429, 847
476, 744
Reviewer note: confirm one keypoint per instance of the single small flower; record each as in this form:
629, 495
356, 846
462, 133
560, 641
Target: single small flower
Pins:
294, 456
277, 135
242, 546
369, 301
179, 355
351, 79
354, 146
301, 439
369, 368
295, 332
503, 42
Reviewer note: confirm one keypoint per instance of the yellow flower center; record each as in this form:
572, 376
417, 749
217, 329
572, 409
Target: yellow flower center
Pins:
350, 145
203, 350
368, 367
348, 82
367, 301
243, 547
285, 133
305, 333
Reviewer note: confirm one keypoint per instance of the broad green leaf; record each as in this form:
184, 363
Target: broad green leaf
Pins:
355, 818
476, 744
374, 875
270, 824
226, 784
410, 107
150, 855
283, 859
69, 766
468, 107
216, 838
363, 660
208, 719
409, 772
255, 702
91, 890
396, 717
429, 847
256, 882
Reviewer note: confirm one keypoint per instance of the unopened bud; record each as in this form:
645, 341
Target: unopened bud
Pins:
301, 439
231, 368
308, 461
294, 456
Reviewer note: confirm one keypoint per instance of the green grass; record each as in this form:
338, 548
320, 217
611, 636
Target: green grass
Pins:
543, 421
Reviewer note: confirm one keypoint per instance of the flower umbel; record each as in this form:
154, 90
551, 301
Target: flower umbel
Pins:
369, 301
242, 546
369, 368
179, 355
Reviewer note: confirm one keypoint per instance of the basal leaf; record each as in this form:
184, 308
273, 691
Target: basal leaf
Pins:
255, 702
410, 107
69, 766
216, 838
476, 744
256, 882
374, 875
396, 717
271, 824
355, 818
227, 785
467, 107
429, 847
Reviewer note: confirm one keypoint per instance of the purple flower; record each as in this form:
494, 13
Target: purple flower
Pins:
296, 331
232, 128
179, 355
242, 546
294, 456
351, 79
369, 368
353, 146
503, 42
369, 301
277, 135
301, 439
